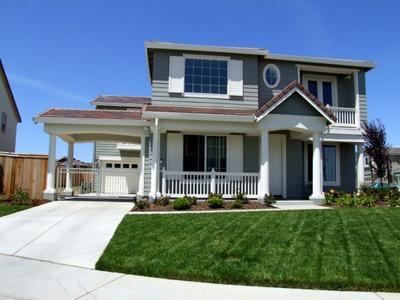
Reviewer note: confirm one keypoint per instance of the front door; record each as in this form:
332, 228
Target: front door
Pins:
277, 154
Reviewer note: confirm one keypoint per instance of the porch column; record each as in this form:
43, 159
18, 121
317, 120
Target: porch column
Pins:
70, 165
263, 186
155, 162
360, 166
140, 192
50, 192
317, 183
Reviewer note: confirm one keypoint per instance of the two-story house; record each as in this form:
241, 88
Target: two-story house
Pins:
9, 114
224, 120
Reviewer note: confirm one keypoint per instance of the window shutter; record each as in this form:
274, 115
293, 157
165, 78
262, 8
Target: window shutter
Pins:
176, 74
235, 75
234, 147
174, 152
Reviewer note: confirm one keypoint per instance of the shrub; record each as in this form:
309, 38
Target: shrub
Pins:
1, 179
162, 201
181, 203
142, 204
241, 197
345, 200
215, 202
394, 197
364, 200
237, 204
20, 196
192, 200
214, 195
3, 198
269, 199
331, 196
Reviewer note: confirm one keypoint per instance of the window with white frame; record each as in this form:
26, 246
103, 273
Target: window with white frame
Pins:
330, 164
204, 153
271, 75
322, 87
206, 76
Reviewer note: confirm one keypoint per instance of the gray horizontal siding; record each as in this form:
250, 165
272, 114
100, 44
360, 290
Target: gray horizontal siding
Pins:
363, 96
288, 72
110, 149
161, 96
295, 105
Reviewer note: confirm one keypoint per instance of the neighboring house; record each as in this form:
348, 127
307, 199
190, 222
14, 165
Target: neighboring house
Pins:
225, 119
394, 154
9, 114
76, 163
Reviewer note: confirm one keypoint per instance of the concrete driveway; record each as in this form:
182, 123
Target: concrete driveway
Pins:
68, 232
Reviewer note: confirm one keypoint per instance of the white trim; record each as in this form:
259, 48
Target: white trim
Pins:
324, 69
296, 89
279, 75
357, 99
206, 95
320, 60
89, 121
337, 182
319, 79
117, 158
131, 105
128, 146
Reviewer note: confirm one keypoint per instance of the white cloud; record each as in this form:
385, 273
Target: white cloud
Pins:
45, 87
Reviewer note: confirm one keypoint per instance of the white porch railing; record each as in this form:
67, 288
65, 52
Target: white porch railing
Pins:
200, 184
345, 116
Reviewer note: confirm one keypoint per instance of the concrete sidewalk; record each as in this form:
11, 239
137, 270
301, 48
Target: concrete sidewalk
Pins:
69, 232
22, 278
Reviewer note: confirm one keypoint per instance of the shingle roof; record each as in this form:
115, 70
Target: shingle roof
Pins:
201, 110
288, 89
91, 114
136, 100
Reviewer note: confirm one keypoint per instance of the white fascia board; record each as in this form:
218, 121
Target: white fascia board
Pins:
199, 117
89, 121
126, 146
326, 69
203, 48
320, 60
286, 97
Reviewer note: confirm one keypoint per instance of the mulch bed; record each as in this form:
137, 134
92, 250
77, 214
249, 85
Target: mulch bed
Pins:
202, 205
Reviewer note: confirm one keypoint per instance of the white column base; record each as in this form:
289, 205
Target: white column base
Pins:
68, 192
50, 194
317, 199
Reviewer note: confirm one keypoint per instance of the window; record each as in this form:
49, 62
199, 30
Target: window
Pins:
3, 121
322, 87
134, 166
108, 165
193, 153
216, 153
125, 166
271, 75
330, 165
206, 76
117, 166
204, 153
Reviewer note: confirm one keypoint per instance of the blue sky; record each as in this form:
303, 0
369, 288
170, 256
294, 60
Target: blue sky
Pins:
65, 53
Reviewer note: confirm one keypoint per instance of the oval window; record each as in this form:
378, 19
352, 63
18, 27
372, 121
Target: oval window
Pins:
271, 75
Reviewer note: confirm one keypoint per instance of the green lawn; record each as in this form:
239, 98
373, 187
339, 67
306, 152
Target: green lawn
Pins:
350, 249
6, 209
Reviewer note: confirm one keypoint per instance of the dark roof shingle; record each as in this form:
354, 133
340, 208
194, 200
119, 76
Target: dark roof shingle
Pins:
201, 110
91, 114
129, 100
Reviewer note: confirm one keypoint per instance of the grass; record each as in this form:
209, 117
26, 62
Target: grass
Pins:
341, 249
6, 209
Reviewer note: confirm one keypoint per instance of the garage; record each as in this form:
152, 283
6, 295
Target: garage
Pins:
120, 177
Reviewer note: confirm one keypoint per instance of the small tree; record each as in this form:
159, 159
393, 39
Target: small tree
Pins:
376, 148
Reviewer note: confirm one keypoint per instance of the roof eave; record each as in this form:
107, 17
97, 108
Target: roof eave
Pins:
11, 95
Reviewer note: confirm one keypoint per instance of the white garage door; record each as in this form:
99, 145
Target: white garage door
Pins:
120, 178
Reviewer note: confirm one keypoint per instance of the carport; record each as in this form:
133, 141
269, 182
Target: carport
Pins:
82, 126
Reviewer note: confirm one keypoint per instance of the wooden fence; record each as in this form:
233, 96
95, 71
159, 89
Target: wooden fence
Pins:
27, 171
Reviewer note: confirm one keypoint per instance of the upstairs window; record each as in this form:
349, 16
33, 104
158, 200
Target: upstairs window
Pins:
271, 76
322, 87
203, 76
